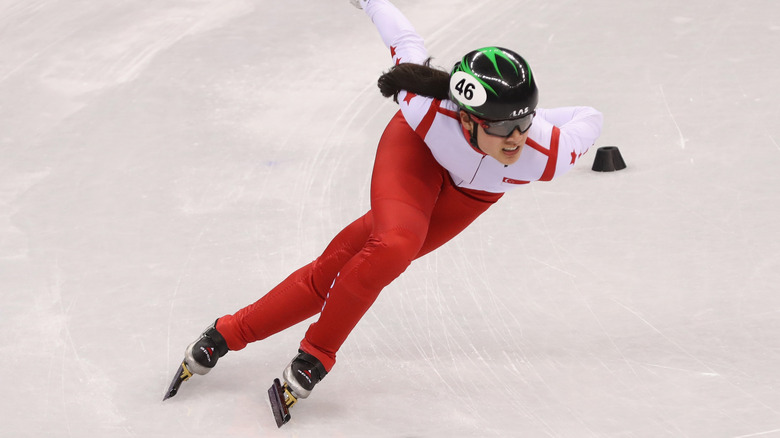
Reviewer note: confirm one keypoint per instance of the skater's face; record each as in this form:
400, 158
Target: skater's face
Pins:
506, 150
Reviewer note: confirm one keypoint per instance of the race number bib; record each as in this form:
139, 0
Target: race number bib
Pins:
467, 90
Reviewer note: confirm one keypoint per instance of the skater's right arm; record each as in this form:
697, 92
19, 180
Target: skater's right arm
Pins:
398, 34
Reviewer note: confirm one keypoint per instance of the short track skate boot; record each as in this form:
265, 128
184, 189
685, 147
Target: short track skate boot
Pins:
199, 358
302, 374
202, 355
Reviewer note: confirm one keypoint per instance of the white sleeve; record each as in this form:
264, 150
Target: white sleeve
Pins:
398, 34
579, 127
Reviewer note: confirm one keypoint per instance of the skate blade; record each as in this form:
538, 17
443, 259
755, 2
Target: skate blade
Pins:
281, 402
181, 375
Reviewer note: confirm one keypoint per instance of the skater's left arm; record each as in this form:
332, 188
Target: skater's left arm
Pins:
579, 127
398, 34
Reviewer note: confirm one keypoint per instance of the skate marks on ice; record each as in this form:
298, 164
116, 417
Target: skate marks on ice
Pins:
138, 202
83, 49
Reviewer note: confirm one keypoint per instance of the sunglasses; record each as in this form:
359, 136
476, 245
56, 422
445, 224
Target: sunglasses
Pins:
505, 128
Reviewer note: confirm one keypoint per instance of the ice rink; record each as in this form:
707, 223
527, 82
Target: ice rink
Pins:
163, 163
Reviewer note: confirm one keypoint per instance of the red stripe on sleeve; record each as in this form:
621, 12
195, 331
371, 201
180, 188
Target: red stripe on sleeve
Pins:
552, 155
427, 121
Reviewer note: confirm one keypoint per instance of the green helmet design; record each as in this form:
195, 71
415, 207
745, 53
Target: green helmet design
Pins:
494, 83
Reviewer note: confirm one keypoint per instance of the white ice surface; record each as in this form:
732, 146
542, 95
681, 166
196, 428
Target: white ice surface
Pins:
163, 163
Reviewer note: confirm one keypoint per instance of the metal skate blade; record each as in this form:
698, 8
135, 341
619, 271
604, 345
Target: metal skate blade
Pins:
278, 403
182, 374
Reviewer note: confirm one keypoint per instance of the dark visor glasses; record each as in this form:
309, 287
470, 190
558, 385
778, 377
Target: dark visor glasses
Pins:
505, 128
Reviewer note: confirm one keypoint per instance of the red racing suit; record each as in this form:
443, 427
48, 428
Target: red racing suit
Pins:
428, 184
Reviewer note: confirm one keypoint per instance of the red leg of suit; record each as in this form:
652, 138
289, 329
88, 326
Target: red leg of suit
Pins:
414, 210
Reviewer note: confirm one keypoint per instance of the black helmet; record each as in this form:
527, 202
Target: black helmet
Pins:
494, 83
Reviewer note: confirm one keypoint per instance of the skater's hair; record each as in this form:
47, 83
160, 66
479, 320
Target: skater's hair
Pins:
421, 79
